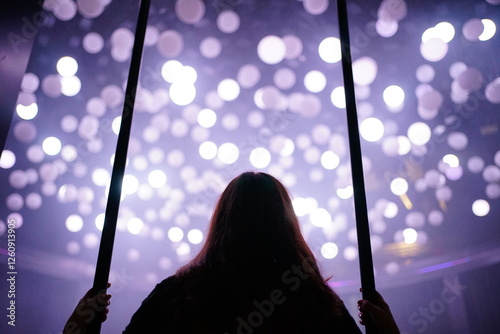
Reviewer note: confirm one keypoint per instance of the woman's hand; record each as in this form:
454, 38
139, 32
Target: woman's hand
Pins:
379, 314
86, 310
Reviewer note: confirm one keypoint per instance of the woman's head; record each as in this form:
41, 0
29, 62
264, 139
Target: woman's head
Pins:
254, 223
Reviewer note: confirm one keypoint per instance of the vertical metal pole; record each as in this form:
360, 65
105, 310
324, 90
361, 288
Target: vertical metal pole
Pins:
111, 215
362, 226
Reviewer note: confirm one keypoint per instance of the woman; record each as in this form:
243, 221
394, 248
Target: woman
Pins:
255, 274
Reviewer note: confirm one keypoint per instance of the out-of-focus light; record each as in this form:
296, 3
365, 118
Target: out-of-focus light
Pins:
67, 66
90, 240
190, 11
69, 123
230, 122
248, 75
329, 50
130, 184
210, 47
27, 112
350, 253
386, 28
284, 78
271, 49
133, 255
434, 50
99, 221
425, 73
171, 71
182, 94
255, 119
435, 218
183, 250
315, 7
51, 146
315, 81
451, 160
228, 153
410, 235
208, 150
346, 192
70, 86
489, 30
69, 153
371, 129
492, 91
491, 174
175, 234
74, 223
284, 147
228, 89
444, 31
303, 206
195, 236
122, 38
157, 178
51, 85
116, 124
475, 164
207, 118
73, 247
391, 210
419, 133
8, 159
269, 98
364, 71
330, 160
338, 97
404, 145
260, 157
93, 42
480, 208
457, 140
329, 250
399, 186
170, 44
135, 225
228, 21
188, 75
394, 96
15, 202
320, 217
30, 83
472, 29
68, 193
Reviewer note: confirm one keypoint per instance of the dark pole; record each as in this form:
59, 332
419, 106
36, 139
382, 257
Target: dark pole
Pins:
362, 227
111, 215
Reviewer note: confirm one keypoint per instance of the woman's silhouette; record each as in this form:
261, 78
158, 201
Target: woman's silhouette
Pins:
254, 274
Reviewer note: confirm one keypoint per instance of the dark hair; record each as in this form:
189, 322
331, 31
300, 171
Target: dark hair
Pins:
253, 247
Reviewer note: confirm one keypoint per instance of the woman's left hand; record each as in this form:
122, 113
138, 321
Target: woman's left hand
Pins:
86, 310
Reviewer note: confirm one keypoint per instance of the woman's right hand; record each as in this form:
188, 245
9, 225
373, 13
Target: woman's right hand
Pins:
379, 314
